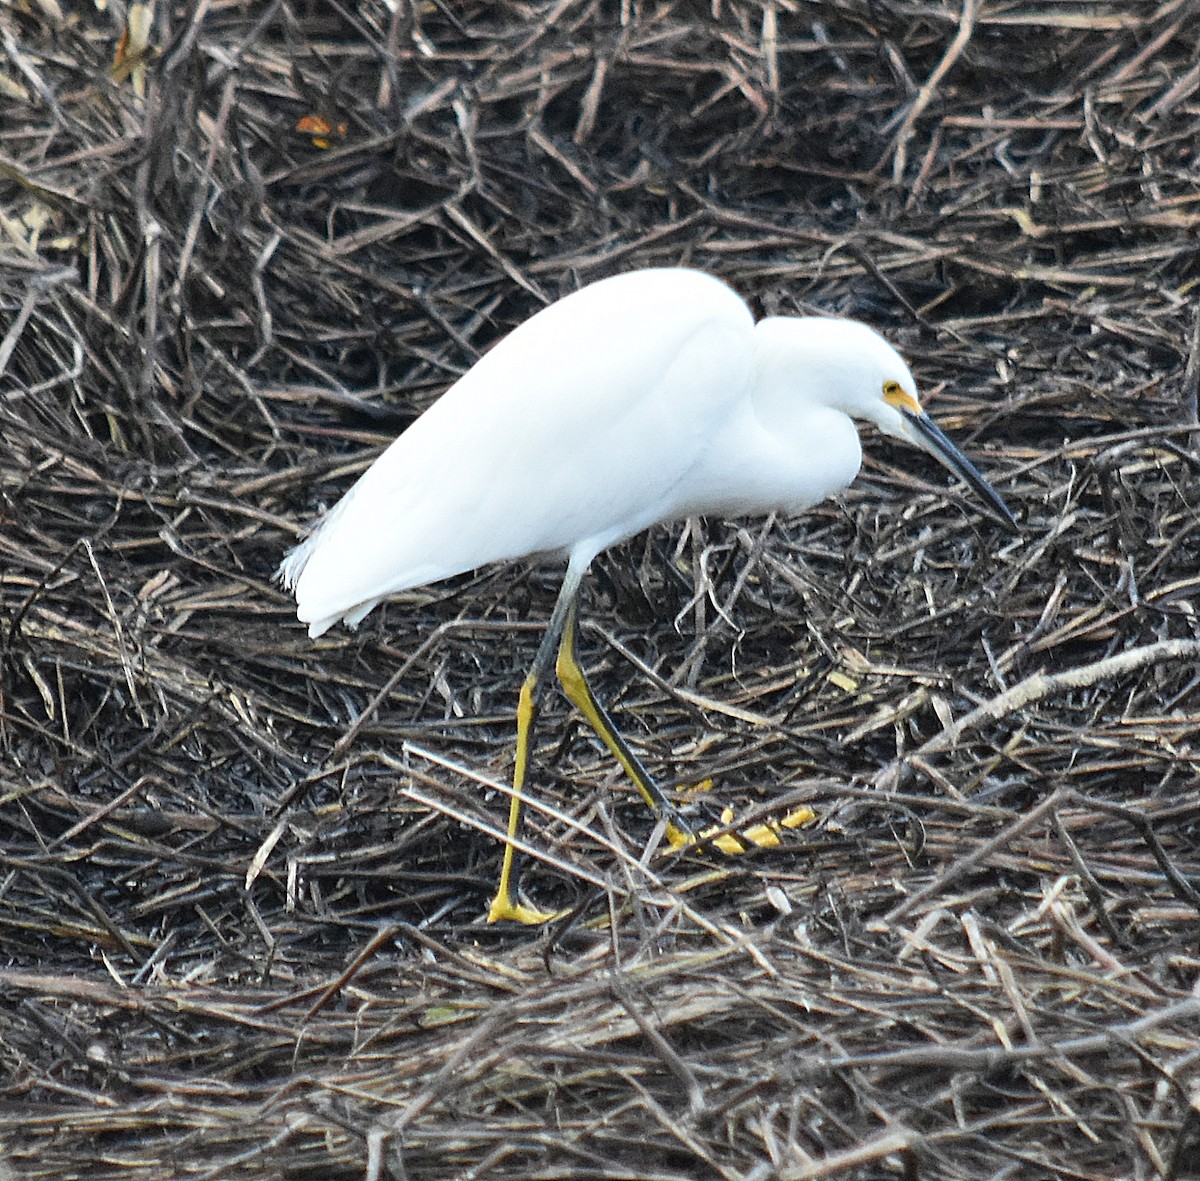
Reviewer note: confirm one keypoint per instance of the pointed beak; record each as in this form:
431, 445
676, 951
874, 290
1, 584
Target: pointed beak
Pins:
928, 435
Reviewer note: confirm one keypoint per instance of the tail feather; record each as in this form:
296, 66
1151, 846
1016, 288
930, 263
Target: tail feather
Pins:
294, 562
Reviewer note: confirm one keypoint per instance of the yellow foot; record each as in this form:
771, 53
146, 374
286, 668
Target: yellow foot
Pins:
504, 909
765, 836
726, 843
678, 839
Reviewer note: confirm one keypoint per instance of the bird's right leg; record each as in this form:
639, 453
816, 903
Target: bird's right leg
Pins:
506, 904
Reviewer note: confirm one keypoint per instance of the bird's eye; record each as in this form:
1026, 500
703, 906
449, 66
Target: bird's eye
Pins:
895, 396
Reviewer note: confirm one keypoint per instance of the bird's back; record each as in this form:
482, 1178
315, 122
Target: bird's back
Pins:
573, 432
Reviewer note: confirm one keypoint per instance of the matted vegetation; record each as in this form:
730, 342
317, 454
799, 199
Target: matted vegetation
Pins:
244, 874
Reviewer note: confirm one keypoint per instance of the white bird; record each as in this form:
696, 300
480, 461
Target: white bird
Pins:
651, 396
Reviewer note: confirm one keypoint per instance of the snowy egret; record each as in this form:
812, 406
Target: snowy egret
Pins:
652, 396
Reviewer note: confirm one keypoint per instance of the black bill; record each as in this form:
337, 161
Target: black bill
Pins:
938, 445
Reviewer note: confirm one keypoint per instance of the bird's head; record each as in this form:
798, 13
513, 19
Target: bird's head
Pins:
847, 366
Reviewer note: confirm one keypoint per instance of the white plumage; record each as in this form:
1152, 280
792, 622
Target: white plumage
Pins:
646, 397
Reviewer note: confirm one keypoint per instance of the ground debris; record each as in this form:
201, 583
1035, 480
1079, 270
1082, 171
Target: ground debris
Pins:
242, 874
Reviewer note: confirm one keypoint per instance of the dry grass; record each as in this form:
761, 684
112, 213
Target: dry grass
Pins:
243, 875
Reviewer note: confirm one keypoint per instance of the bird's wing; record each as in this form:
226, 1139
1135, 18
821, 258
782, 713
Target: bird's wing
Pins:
577, 426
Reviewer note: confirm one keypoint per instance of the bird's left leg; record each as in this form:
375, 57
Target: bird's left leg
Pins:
575, 685
679, 832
